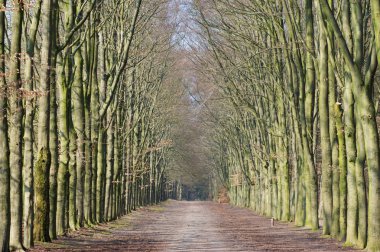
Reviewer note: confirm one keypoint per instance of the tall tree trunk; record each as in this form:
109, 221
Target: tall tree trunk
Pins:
63, 127
73, 177
15, 136
375, 15
332, 99
42, 167
360, 186
63, 82
312, 190
100, 174
94, 106
101, 133
325, 136
78, 117
358, 56
28, 174
4, 145
109, 167
373, 243
53, 126
342, 173
349, 130
90, 52
283, 162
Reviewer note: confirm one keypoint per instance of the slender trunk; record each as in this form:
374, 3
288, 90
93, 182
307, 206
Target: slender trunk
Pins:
325, 136
100, 175
63, 127
117, 169
335, 225
283, 145
101, 134
4, 145
349, 130
15, 135
375, 15
94, 110
109, 168
28, 207
88, 122
64, 106
78, 117
306, 122
73, 178
53, 128
360, 186
342, 173
42, 167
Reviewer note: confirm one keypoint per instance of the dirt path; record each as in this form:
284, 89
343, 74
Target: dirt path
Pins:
193, 226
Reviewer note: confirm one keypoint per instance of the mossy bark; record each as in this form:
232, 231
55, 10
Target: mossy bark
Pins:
342, 173
367, 118
41, 185
349, 130
361, 188
332, 97
326, 189
306, 122
373, 242
42, 168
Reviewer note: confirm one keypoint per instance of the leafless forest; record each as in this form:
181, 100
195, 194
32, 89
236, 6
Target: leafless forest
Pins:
110, 106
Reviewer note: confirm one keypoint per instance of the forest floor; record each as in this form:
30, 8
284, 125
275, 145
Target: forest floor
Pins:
193, 226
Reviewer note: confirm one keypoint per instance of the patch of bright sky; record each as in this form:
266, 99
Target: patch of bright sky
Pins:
182, 15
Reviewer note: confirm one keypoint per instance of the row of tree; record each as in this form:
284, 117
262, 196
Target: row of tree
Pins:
83, 132
295, 110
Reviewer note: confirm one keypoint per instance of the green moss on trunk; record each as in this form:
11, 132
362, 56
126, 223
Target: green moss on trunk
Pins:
41, 185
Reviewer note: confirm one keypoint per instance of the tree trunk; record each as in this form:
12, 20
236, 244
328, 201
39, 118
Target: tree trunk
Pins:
325, 136
109, 168
53, 127
360, 186
78, 117
42, 167
15, 136
4, 145
63, 127
73, 177
306, 122
342, 173
28, 174
94, 110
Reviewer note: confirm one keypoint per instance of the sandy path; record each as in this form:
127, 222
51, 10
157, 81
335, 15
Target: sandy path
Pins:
193, 226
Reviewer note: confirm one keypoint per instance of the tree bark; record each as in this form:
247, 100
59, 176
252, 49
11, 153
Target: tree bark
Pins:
4, 144
42, 167
15, 122
325, 134
28, 173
